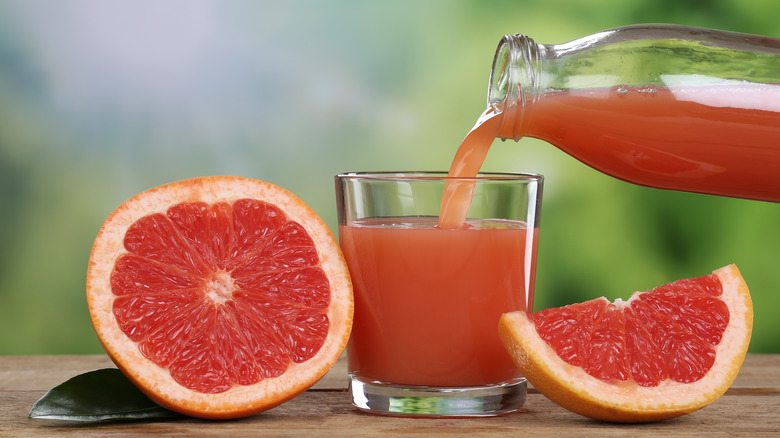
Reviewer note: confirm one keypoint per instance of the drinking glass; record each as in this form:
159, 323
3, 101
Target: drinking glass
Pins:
428, 300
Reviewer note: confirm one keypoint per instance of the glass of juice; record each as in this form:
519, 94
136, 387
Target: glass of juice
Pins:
427, 298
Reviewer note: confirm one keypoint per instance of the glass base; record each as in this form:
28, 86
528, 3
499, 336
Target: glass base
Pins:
422, 401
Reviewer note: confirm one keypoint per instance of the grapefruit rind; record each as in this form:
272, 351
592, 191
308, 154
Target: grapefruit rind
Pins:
572, 388
156, 382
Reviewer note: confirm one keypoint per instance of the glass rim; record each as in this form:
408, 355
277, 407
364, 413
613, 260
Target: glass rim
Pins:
424, 175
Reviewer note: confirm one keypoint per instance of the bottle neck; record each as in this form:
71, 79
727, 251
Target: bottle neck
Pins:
514, 82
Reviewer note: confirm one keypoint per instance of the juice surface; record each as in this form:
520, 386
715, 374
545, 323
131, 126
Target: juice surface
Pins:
428, 301
718, 139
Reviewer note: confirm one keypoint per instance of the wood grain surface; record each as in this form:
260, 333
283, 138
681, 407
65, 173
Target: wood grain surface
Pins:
750, 408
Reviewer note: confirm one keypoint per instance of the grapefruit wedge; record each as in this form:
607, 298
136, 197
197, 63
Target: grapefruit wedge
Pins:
661, 354
219, 297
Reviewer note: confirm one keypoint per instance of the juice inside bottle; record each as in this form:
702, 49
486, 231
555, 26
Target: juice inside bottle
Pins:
718, 139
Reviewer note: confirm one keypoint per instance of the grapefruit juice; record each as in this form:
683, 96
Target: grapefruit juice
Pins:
428, 300
719, 139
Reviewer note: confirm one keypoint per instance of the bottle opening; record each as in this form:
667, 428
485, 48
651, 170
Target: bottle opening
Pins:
500, 73
513, 80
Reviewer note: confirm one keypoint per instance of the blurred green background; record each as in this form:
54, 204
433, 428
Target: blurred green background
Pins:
102, 100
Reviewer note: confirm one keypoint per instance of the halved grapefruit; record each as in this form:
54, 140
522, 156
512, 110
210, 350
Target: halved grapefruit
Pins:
219, 297
661, 354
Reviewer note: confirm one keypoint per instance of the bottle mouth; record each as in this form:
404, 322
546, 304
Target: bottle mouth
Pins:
514, 80
514, 68
500, 73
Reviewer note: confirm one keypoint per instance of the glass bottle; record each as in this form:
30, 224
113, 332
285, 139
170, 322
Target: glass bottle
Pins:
664, 106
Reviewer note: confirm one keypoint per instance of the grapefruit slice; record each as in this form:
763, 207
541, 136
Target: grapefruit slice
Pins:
219, 297
661, 354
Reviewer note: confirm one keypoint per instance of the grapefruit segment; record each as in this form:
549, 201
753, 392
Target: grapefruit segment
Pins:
219, 297
661, 354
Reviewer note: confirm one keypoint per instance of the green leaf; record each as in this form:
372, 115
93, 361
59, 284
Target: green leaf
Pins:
101, 395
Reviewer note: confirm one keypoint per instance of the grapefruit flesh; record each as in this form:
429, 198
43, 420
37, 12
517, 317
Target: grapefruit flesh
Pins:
661, 354
219, 297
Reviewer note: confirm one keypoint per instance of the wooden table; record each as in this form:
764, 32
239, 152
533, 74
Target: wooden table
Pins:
751, 408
